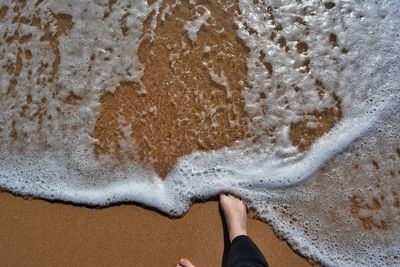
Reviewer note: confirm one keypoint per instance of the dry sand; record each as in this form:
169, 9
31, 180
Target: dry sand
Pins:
40, 233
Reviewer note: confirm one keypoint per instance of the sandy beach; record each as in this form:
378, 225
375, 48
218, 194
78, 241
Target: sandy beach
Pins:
288, 104
40, 233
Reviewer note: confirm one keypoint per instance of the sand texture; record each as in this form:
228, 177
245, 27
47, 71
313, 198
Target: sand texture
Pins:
292, 105
39, 233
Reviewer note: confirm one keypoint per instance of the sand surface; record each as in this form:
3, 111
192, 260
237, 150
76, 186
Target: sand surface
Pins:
190, 97
39, 233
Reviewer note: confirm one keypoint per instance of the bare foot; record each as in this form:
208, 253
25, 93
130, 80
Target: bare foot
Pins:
235, 214
184, 263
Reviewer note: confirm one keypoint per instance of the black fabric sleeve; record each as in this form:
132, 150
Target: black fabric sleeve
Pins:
244, 253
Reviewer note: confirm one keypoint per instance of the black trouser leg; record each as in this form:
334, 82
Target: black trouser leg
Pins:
244, 253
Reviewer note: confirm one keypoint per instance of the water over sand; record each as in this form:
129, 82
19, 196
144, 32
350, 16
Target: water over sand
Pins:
293, 106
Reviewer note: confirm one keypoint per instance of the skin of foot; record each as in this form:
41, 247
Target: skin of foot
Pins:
235, 213
184, 263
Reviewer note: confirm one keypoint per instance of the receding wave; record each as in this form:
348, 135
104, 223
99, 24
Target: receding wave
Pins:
292, 105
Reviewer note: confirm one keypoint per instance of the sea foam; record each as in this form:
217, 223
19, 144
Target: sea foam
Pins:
337, 200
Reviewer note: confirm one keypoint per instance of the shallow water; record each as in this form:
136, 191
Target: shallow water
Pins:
293, 106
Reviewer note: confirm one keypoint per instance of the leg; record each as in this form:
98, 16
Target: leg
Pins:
243, 251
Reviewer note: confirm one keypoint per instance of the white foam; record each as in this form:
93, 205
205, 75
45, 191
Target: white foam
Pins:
309, 206
193, 27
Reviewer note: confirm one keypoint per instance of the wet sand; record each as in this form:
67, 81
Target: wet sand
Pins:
40, 233
168, 126
190, 97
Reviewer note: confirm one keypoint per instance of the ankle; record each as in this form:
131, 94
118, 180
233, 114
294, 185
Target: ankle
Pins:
236, 229
234, 234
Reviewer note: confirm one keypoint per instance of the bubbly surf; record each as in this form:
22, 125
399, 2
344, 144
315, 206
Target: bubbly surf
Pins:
293, 106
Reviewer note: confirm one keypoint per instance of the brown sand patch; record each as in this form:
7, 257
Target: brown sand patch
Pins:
249, 29
64, 24
266, 64
28, 54
17, 70
314, 125
190, 97
150, 2
110, 8
376, 165
72, 99
396, 202
329, 5
122, 23
13, 133
373, 209
282, 42
306, 65
333, 39
302, 47
358, 210
3, 12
